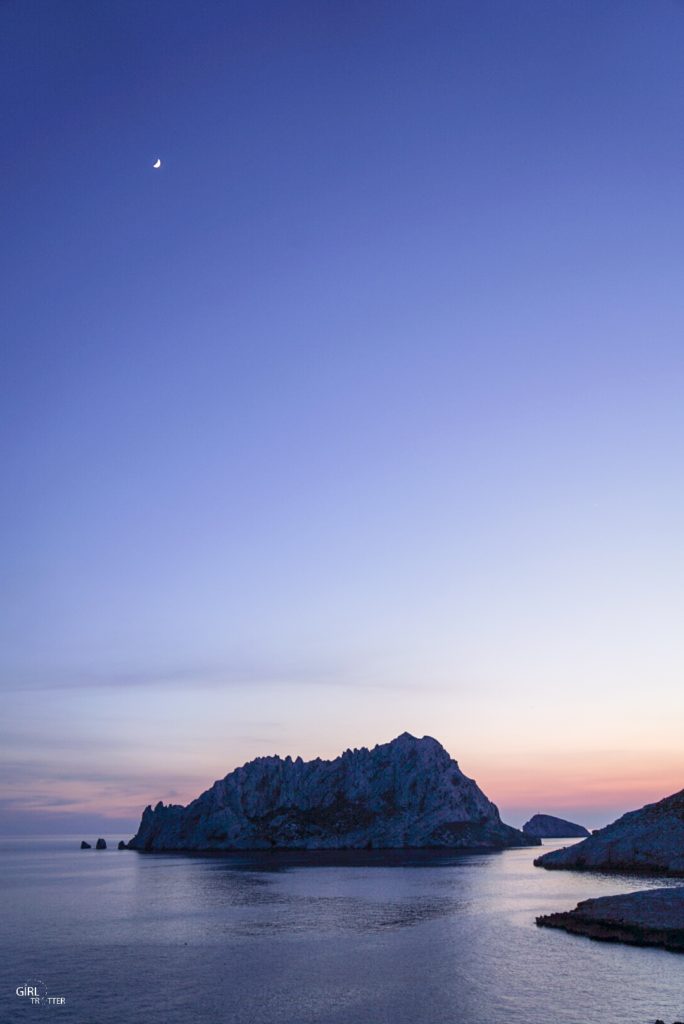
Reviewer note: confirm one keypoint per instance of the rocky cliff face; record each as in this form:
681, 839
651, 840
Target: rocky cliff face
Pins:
649, 840
548, 826
407, 793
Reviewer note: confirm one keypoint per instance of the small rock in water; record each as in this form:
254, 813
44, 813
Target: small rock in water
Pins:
122, 845
85, 846
100, 845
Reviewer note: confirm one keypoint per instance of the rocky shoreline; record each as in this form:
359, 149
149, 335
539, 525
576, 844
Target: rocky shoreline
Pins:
649, 841
652, 917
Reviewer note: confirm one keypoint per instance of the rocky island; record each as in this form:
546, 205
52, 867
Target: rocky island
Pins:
650, 841
408, 793
653, 917
548, 826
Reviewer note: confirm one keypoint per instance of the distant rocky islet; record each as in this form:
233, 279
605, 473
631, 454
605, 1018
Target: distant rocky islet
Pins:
548, 826
101, 844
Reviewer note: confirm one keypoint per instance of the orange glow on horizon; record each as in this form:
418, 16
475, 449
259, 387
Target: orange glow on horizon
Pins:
607, 778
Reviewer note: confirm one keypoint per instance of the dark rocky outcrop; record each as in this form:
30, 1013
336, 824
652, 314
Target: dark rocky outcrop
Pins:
122, 845
85, 846
547, 826
100, 845
653, 917
405, 794
647, 841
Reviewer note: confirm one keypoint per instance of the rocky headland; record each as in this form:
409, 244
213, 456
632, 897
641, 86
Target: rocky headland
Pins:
548, 826
653, 917
647, 841
408, 793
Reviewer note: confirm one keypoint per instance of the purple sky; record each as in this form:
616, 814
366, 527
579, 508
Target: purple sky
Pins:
362, 414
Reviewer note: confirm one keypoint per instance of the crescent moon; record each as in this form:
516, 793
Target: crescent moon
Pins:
157, 164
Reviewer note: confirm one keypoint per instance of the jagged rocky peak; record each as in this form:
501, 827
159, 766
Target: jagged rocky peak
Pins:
649, 840
548, 826
403, 794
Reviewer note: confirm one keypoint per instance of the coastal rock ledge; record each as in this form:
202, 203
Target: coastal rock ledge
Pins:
647, 841
408, 793
653, 917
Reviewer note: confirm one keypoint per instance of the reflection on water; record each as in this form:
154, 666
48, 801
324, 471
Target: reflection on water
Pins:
349, 938
350, 902
282, 860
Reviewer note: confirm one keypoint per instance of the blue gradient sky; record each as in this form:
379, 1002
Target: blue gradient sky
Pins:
363, 414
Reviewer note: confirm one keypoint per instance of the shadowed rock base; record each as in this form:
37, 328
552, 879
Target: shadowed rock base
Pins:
654, 917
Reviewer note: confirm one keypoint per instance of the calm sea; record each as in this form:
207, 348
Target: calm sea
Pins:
287, 939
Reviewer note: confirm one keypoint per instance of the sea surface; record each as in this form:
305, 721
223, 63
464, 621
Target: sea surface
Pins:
372, 938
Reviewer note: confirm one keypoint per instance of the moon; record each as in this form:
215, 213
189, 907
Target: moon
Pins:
157, 164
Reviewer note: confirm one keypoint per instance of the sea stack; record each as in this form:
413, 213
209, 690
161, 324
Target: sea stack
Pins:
548, 826
650, 841
100, 845
408, 793
85, 846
